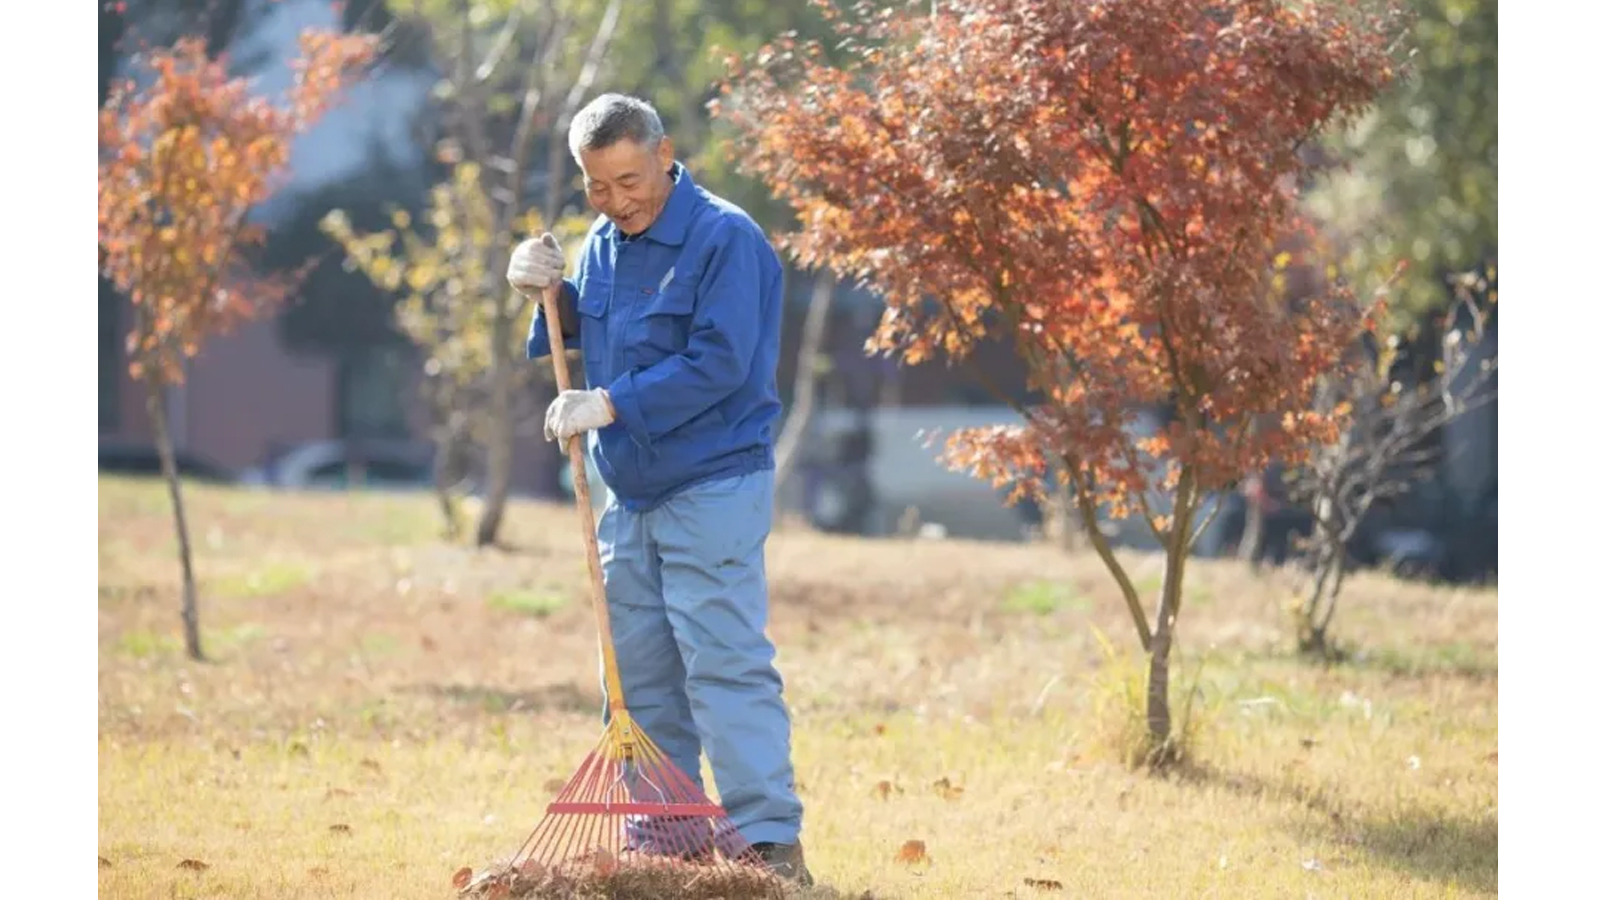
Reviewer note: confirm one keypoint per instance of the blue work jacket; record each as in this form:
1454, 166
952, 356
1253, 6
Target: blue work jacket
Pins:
681, 325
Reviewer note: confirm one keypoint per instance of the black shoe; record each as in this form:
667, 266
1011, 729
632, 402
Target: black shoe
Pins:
787, 861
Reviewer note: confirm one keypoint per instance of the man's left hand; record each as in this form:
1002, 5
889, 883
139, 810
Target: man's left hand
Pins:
577, 411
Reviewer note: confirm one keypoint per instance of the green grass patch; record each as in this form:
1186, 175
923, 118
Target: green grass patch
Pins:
1149, 588
380, 645
143, 644
1044, 598
270, 580
528, 603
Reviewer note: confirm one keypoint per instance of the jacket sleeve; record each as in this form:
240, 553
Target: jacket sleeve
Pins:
539, 330
724, 332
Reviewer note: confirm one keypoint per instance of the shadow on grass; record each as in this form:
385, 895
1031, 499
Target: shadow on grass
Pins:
564, 697
1454, 660
1427, 844
824, 891
1438, 847
1459, 660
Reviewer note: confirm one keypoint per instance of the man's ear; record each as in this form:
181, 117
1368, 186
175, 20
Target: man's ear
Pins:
664, 154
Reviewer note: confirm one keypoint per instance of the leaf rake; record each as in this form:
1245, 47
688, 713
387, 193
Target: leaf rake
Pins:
629, 821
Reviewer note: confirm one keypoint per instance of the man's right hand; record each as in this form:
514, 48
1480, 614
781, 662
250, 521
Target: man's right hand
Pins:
536, 264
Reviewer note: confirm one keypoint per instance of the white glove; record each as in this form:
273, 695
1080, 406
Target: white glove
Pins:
575, 411
536, 264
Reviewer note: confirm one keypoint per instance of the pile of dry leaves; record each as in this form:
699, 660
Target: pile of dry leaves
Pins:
604, 876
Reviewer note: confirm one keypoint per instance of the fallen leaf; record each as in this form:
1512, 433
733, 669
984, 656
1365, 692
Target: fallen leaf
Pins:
476, 884
1042, 884
370, 763
339, 828
879, 728
1493, 757
948, 790
1308, 742
531, 868
317, 871
429, 644
912, 853
105, 863
338, 792
461, 878
554, 785
298, 748
193, 865
883, 789
605, 864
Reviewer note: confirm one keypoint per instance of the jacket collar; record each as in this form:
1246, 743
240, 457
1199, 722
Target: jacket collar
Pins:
672, 226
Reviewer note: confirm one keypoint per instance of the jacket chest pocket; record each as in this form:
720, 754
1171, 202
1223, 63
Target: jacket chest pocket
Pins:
594, 298
659, 326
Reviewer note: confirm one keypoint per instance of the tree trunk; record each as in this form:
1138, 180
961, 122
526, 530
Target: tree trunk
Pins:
446, 445
1335, 581
1158, 707
1254, 522
805, 381
1097, 539
1327, 578
501, 432
1327, 561
156, 404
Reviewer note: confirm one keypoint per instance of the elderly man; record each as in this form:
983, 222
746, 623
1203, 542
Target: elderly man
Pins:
675, 302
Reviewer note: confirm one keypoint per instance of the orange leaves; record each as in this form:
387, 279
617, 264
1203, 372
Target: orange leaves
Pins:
913, 853
1103, 187
182, 161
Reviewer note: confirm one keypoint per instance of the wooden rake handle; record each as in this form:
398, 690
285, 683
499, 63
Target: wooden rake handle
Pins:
580, 487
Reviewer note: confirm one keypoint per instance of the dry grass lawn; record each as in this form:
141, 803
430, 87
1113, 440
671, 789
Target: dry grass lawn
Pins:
382, 708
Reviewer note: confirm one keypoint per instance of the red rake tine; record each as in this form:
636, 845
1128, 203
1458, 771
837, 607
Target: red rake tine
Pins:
628, 801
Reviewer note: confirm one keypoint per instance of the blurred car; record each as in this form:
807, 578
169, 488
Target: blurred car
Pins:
872, 472
142, 460
347, 465
877, 471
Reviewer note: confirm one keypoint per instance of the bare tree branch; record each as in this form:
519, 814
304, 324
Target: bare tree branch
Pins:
1388, 443
598, 48
502, 41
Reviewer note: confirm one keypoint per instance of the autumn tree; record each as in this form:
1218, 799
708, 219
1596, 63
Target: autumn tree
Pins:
1387, 443
1101, 186
183, 160
447, 308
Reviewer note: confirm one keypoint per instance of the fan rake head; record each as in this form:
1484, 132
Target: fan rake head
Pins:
630, 823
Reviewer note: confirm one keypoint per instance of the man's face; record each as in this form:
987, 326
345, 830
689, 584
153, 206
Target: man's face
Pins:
627, 182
